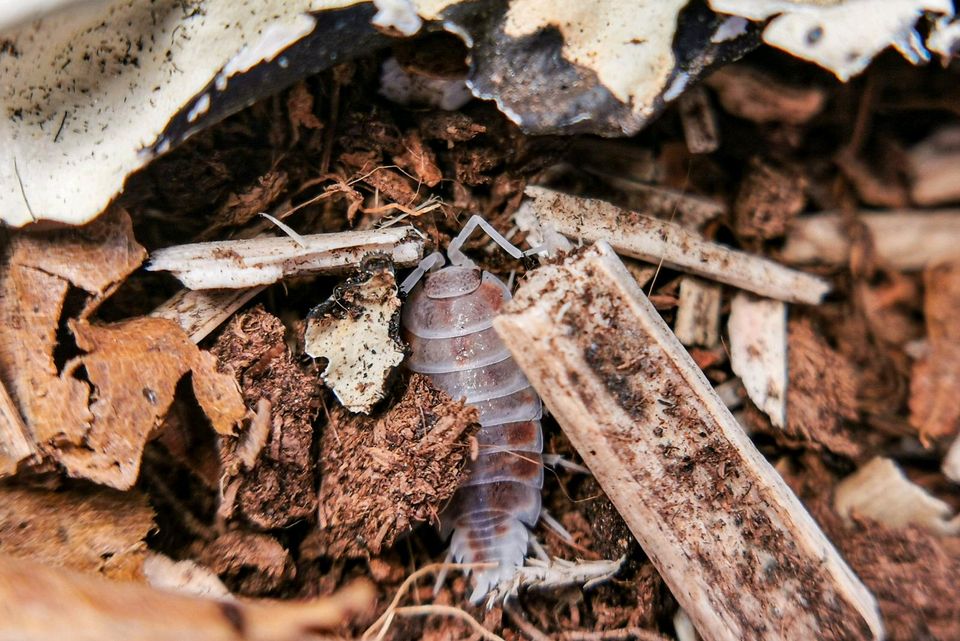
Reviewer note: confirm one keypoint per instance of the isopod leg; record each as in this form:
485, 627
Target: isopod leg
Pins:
430, 262
457, 257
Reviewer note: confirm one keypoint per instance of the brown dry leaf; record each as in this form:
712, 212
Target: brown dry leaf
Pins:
934, 402
380, 476
241, 207
419, 160
39, 270
250, 563
95, 414
821, 393
134, 368
281, 486
96, 530
42, 603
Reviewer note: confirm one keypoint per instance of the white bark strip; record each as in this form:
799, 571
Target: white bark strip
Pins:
656, 241
758, 352
237, 264
906, 240
736, 547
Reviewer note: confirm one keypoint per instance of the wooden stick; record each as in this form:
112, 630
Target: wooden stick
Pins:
736, 547
15, 442
657, 241
236, 264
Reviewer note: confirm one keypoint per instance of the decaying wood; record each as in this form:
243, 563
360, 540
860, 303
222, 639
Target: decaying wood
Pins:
15, 443
906, 240
199, 312
935, 168
699, 121
237, 264
40, 603
934, 402
758, 352
880, 491
736, 547
698, 313
657, 241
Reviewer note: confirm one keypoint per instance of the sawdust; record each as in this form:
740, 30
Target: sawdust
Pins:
381, 476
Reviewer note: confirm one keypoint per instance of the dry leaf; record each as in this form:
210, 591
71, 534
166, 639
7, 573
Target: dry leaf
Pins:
97, 531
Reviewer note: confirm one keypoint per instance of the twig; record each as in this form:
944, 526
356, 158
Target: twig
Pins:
447, 610
519, 620
622, 634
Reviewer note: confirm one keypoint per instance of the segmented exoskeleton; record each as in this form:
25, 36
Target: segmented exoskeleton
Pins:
448, 321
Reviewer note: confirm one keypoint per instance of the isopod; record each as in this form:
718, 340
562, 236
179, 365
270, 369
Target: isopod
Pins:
448, 322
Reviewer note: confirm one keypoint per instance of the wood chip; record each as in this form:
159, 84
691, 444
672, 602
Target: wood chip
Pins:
951, 462
880, 491
698, 313
906, 240
200, 312
43, 603
758, 352
237, 264
748, 93
768, 198
93, 530
738, 550
188, 577
699, 121
934, 402
935, 168
657, 241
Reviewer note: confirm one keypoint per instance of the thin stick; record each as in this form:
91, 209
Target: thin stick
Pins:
519, 620
448, 610
621, 634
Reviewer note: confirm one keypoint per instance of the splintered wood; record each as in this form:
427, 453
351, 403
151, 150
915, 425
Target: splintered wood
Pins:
661, 242
736, 547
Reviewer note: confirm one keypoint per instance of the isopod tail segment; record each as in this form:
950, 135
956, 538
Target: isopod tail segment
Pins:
448, 322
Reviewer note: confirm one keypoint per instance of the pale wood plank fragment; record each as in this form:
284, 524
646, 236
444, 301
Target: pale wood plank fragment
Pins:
698, 313
905, 240
758, 352
200, 311
657, 241
736, 547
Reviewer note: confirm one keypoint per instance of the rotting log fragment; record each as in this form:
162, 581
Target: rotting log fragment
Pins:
657, 241
738, 550
236, 264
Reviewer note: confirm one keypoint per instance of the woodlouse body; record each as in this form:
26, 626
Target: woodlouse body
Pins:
448, 321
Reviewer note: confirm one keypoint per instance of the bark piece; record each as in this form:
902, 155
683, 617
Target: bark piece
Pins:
738, 550
768, 198
382, 475
15, 443
881, 492
821, 392
236, 264
699, 121
935, 168
934, 402
356, 332
280, 487
95, 531
749, 93
657, 241
698, 313
43, 603
758, 353
906, 240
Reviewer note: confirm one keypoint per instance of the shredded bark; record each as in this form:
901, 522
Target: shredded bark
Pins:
381, 476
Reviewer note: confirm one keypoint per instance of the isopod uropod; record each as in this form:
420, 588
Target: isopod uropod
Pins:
448, 322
